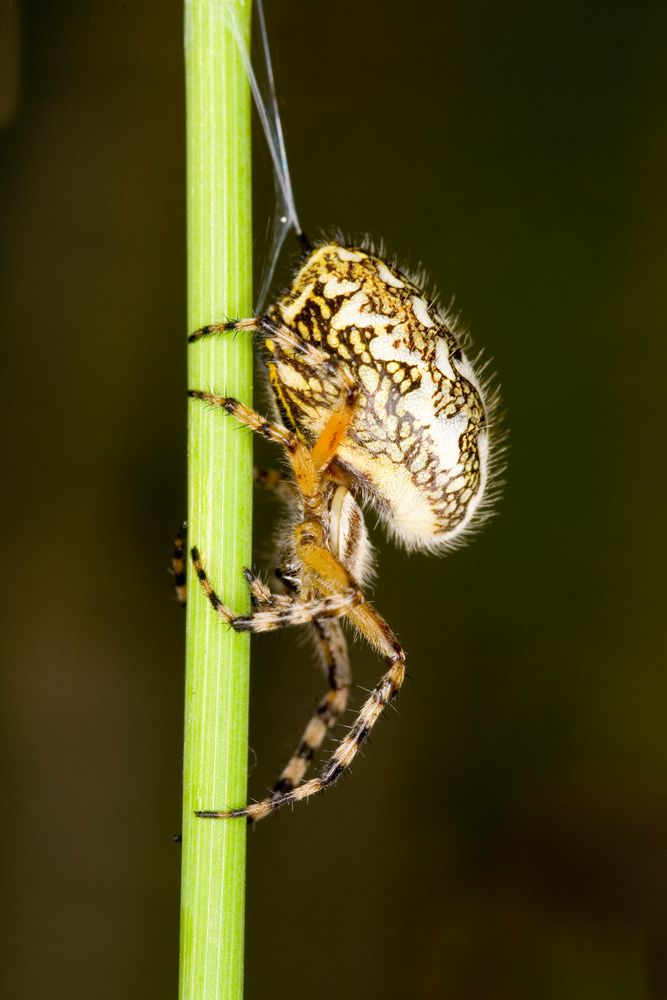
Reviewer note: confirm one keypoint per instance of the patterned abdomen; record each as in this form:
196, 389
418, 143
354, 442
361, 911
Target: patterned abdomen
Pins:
417, 449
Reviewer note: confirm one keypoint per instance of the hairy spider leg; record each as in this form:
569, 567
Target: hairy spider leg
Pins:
246, 415
260, 595
178, 565
284, 611
332, 649
379, 635
229, 326
281, 611
331, 577
333, 653
307, 464
274, 331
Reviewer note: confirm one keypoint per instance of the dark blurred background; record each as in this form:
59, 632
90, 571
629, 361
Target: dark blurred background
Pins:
505, 836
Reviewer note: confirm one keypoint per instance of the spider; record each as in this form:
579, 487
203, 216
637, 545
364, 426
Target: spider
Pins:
376, 406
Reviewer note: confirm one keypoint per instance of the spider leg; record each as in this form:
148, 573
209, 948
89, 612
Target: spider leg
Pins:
246, 415
328, 577
333, 651
273, 331
260, 595
378, 633
178, 565
336, 427
331, 577
308, 464
280, 611
229, 327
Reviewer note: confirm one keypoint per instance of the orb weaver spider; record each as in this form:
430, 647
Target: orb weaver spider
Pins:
376, 404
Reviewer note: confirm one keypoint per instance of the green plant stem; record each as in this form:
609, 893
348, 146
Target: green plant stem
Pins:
219, 502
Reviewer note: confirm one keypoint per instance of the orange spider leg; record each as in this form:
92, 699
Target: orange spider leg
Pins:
309, 463
335, 429
319, 563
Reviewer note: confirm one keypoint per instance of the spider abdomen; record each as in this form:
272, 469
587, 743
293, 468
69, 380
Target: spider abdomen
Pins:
417, 448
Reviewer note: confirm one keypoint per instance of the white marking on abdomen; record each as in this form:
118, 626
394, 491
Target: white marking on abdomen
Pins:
421, 311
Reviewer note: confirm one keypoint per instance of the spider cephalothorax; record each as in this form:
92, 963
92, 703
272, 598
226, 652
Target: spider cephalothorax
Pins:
378, 405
